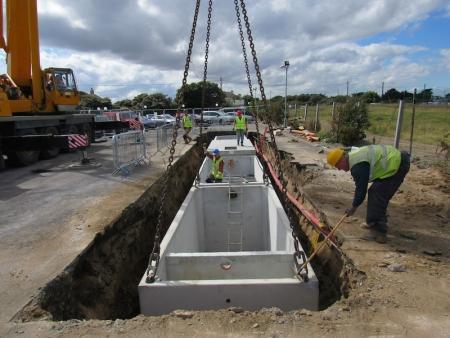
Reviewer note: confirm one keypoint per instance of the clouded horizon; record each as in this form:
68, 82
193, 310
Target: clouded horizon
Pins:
122, 48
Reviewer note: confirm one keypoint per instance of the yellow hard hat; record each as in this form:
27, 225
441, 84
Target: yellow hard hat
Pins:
334, 155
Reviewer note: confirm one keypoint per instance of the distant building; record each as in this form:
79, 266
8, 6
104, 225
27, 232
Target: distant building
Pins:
92, 91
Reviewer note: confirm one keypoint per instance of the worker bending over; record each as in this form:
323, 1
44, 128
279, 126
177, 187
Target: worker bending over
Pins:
384, 166
240, 124
187, 126
217, 165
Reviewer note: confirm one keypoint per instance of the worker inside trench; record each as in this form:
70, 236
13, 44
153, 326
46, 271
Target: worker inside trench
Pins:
101, 283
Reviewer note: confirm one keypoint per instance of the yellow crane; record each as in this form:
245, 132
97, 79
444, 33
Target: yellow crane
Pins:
33, 101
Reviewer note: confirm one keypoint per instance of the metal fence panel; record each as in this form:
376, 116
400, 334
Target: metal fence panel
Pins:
163, 135
128, 149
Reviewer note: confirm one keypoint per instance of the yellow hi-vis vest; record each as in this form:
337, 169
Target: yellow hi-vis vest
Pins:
384, 160
240, 122
187, 123
215, 168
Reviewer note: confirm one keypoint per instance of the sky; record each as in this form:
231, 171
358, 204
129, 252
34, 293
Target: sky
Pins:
122, 48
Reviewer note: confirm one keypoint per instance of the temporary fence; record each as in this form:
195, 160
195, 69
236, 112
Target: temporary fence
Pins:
163, 135
129, 149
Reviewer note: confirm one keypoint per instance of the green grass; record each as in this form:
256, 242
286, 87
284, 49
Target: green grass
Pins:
430, 125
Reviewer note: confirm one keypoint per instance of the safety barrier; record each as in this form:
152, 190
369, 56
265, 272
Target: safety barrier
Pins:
163, 135
128, 149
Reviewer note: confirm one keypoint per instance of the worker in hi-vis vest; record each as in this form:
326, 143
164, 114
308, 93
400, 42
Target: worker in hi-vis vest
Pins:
187, 125
217, 165
240, 124
382, 165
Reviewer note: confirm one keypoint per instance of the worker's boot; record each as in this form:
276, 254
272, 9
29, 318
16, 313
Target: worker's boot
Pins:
374, 235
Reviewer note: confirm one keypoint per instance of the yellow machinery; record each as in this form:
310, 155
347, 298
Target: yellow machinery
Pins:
33, 101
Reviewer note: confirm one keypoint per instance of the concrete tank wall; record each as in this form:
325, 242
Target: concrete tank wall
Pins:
197, 272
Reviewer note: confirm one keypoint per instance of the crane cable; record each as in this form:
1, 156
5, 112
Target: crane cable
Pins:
205, 69
299, 256
249, 81
154, 258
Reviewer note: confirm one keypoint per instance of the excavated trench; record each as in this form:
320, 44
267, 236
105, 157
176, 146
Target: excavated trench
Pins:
101, 283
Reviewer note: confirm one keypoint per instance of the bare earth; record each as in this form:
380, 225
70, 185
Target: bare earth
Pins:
413, 303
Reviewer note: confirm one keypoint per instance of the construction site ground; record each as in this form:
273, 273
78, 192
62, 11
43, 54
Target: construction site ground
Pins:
47, 217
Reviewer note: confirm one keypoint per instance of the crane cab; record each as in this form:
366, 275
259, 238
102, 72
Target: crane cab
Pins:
61, 89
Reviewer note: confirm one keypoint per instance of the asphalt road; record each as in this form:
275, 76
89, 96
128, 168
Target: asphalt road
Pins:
51, 210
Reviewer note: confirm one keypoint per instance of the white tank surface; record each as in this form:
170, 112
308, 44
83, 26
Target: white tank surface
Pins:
230, 244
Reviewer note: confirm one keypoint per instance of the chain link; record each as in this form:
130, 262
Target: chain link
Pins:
249, 80
298, 254
154, 258
205, 69
259, 139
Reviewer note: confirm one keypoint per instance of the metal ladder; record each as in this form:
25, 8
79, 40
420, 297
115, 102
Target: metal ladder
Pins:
235, 216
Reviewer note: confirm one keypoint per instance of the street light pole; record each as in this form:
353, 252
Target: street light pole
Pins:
285, 66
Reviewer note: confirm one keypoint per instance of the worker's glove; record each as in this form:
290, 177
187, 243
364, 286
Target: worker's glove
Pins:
350, 211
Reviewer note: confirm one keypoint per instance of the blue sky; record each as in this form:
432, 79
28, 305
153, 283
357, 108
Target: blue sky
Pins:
122, 48
432, 34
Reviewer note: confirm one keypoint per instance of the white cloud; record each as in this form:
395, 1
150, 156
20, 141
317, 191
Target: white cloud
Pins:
445, 53
59, 10
133, 45
148, 7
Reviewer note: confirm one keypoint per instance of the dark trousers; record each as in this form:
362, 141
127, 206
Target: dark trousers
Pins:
186, 136
381, 192
212, 179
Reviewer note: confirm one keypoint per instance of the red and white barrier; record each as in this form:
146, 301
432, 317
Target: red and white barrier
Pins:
77, 141
136, 125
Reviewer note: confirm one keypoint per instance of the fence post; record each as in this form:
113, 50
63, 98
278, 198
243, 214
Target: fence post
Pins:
412, 121
316, 121
332, 111
306, 112
398, 129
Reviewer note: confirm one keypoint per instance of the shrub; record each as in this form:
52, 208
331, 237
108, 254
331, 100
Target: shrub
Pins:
350, 122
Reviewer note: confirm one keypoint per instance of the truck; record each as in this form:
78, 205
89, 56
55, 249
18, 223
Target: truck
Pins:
37, 106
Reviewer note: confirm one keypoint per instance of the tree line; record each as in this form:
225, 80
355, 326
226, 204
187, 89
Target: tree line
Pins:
213, 96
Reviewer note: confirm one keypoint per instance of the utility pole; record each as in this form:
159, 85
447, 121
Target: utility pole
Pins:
382, 89
347, 87
285, 66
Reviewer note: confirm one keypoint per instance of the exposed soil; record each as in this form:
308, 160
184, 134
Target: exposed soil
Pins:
401, 288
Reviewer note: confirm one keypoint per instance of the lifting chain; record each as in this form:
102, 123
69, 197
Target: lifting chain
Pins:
153, 262
250, 86
205, 69
299, 255
249, 80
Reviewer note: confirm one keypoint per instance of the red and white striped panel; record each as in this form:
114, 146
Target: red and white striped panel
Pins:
77, 141
135, 124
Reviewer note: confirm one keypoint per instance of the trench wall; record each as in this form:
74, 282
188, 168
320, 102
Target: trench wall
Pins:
101, 283
336, 272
